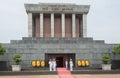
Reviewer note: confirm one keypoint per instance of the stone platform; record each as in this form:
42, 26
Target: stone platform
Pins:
47, 72
31, 48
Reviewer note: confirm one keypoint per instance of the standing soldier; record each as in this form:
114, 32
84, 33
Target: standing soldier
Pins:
54, 65
66, 64
50, 64
71, 65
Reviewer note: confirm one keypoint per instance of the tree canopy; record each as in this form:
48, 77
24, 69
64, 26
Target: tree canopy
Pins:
2, 49
116, 49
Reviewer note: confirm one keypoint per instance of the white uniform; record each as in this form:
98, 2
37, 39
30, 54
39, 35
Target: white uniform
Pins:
66, 64
54, 65
50, 65
71, 66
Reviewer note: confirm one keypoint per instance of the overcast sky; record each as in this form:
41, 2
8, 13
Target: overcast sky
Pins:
103, 19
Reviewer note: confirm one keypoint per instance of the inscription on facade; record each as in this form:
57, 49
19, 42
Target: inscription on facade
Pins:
57, 9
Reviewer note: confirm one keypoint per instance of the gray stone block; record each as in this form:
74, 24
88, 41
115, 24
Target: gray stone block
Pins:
35, 48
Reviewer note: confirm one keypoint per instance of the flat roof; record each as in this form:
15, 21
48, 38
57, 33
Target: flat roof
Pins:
56, 8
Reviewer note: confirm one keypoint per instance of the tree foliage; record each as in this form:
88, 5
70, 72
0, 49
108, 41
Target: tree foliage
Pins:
17, 59
116, 49
106, 58
2, 49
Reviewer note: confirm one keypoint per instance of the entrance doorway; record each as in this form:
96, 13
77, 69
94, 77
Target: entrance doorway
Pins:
59, 61
60, 58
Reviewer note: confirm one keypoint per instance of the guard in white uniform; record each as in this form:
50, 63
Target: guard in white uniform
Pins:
54, 65
71, 65
66, 64
50, 65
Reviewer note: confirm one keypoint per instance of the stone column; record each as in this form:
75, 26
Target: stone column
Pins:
30, 25
41, 25
84, 18
63, 25
73, 25
52, 25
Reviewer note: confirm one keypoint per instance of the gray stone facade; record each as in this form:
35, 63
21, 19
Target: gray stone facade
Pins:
63, 10
35, 49
56, 8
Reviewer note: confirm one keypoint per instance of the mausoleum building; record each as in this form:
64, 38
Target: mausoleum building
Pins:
57, 31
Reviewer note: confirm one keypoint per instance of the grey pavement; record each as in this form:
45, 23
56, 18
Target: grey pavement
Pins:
56, 76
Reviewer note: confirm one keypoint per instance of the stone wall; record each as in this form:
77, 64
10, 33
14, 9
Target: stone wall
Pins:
35, 48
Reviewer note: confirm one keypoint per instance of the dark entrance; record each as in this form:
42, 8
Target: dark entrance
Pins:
60, 58
3, 65
59, 61
116, 64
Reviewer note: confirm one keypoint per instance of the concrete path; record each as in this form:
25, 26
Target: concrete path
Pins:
98, 76
31, 76
77, 76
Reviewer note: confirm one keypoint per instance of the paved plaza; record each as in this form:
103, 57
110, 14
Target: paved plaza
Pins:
56, 76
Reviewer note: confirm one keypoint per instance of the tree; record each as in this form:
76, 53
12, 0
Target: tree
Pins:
116, 49
2, 49
106, 58
17, 59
